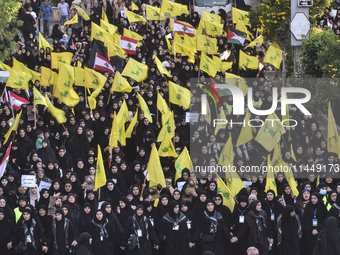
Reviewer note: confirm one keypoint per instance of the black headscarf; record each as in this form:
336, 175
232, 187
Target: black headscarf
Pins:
329, 238
84, 247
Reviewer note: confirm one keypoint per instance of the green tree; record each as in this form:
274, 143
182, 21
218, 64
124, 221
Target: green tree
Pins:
9, 26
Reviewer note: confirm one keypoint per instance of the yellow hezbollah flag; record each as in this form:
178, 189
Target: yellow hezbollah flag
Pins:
120, 84
190, 41
133, 17
104, 17
270, 133
134, 7
132, 125
57, 113
184, 50
136, 70
14, 127
179, 95
153, 13
123, 114
18, 79
207, 65
64, 57
333, 141
168, 127
236, 81
162, 107
79, 76
221, 115
108, 27
273, 55
131, 34
270, 183
258, 40
83, 13
206, 44
228, 197
47, 77
5, 67
290, 178
227, 154
167, 149
245, 135
43, 44
248, 62
74, 20
174, 9
38, 97
100, 178
221, 66
113, 141
154, 168
160, 67
144, 107
242, 27
94, 79
97, 32
20, 66
114, 49
240, 16
183, 161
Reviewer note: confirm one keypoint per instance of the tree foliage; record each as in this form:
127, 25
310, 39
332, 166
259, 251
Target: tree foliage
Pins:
9, 26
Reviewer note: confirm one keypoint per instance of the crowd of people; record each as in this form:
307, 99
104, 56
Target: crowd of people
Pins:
126, 216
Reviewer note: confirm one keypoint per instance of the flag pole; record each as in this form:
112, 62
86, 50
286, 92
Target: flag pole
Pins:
141, 194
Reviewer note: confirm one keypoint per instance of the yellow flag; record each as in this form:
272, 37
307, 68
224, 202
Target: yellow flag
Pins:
248, 62
221, 115
211, 17
135, 70
184, 50
64, 57
14, 127
108, 27
290, 178
57, 113
123, 114
207, 65
183, 161
18, 79
179, 95
132, 125
133, 17
74, 20
228, 197
190, 41
134, 7
174, 9
83, 13
97, 32
167, 149
79, 76
258, 40
270, 133
240, 16
168, 127
38, 97
94, 79
153, 13
242, 27
333, 141
315, 31
121, 132
206, 44
144, 107
131, 34
270, 179
104, 17
93, 96
154, 168
43, 44
273, 55
246, 134
100, 178
47, 77
227, 154
169, 45
113, 141
160, 67
211, 23
236, 81
114, 49
5, 67
32, 74
162, 107
120, 84
286, 117
222, 66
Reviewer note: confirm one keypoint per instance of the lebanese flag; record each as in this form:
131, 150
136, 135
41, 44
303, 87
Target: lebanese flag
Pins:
17, 101
4, 162
128, 44
330, 23
183, 28
236, 36
101, 63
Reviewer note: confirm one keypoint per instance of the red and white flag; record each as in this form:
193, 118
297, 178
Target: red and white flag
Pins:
17, 101
5, 98
183, 28
128, 44
4, 162
101, 63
